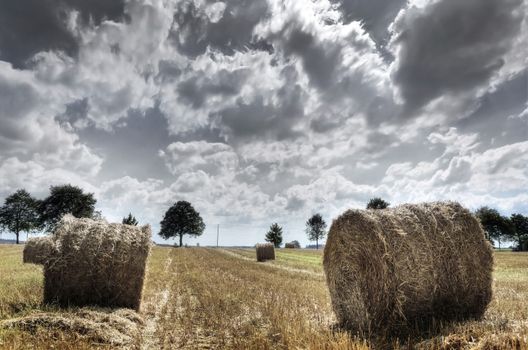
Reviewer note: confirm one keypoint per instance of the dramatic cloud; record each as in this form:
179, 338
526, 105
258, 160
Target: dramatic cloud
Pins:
31, 26
265, 111
450, 46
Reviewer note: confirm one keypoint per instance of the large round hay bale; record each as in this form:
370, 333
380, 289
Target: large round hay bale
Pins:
97, 263
399, 269
265, 251
38, 250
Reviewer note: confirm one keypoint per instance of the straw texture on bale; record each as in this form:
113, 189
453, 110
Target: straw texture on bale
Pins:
38, 250
119, 328
397, 269
265, 251
96, 263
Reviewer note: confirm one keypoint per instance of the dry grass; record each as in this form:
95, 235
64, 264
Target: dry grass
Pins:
207, 298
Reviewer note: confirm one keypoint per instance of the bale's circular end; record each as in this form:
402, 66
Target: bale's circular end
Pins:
265, 251
38, 250
395, 269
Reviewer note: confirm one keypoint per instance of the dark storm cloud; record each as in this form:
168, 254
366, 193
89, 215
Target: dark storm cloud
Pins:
195, 90
195, 30
132, 149
452, 46
319, 60
30, 26
376, 15
261, 119
499, 110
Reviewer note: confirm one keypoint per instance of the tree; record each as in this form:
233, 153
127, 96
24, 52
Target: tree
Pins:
66, 199
274, 235
496, 226
520, 230
315, 229
130, 220
377, 203
19, 213
181, 219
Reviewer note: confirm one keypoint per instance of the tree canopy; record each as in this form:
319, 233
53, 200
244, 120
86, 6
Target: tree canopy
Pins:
520, 230
274, 235
181, 219
130, 220
19, 213
316, 229
377, 203
496, 226
66, 199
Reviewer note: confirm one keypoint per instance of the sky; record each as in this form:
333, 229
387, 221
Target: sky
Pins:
262, 111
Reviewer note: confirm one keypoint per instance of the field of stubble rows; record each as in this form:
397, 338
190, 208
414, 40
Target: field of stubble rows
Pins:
222, 299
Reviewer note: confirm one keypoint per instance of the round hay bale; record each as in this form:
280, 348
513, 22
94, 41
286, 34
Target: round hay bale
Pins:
292, 245
265, 251
97, 263
397, 269
38, 250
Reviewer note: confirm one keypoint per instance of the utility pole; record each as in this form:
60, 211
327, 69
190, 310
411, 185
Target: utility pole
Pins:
217, 233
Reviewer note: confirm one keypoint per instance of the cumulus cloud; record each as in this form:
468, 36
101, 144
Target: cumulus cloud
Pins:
448, 47
28, 27
259, 111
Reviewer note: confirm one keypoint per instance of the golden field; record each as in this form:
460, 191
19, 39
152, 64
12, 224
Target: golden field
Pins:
201, 298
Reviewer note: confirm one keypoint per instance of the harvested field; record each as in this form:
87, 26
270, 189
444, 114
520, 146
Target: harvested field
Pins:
206, 298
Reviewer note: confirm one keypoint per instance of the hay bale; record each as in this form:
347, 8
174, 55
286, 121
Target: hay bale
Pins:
38, 250
265, 251
96, 263
292, 245
392, 270
119, 328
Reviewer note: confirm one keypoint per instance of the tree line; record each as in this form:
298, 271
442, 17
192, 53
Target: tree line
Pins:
22, 212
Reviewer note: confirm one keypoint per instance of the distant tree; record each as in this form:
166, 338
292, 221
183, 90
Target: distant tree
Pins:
66, 199
377, 203
98, 216
520, 230
316, 229
496, 226
274, 235
181, 219
130, 220
19, 213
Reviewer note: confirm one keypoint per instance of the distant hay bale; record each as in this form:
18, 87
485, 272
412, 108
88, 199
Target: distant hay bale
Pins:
292, 245
393, 270
119, 328
96, 263
38, 250
265, 251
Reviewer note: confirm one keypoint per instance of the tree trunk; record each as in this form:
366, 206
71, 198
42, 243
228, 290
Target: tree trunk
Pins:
17, 239
181, 240
316, 244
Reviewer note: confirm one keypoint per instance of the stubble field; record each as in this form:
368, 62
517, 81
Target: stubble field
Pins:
222, 299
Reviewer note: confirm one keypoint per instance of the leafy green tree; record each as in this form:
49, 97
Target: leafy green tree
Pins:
181, 219
130, 220
316, 229
66, 199
520, 230
377, 203
19, 213
497, 227
274, 235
